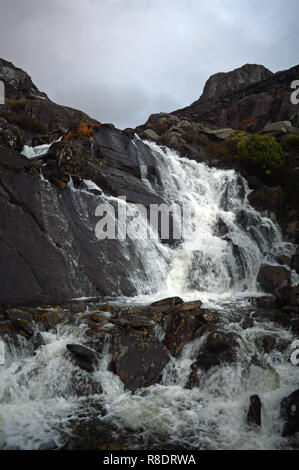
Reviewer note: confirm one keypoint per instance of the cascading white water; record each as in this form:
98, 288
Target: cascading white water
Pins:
207, 263
217, 261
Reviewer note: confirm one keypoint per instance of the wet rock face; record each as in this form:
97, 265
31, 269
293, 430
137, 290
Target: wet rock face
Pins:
219, 347
266, 301
182, 325
295, 261
289, 295
290, 414
254, 412
140, 339
138, 359
269, 199
84, 357
271, 278
42, 270
138, 355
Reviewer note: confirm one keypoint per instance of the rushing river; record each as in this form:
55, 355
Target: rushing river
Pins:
217, 262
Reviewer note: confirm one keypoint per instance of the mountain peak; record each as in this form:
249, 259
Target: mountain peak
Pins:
223, 83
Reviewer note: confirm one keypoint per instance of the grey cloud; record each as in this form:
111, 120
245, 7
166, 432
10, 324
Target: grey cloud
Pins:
120, 60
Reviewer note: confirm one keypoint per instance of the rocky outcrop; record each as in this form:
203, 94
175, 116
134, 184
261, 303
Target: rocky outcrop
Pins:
248, 97
140, 339
137, 358
38, 203
28, 114
222, 83
220, 347
272, 278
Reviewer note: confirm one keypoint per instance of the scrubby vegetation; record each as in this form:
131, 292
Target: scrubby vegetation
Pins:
84, 129
290, 143
262, 151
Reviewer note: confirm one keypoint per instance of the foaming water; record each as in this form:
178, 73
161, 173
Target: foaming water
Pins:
217, 262
226, 239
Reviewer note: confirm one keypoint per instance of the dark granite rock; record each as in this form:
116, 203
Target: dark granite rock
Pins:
266, 301
254, 412
220, 347
84, 357
168, 301
295, 261
289, 412
271, 277
137, 359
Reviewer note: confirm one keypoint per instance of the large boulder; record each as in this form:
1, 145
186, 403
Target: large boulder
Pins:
138, 359
181, 327
266, 301
270, 278
288, 295
277, 128
84, 357
220, 347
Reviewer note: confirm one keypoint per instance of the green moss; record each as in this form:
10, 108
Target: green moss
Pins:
263, 151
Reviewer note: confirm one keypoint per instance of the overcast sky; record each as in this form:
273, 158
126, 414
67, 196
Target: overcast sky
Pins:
121, 60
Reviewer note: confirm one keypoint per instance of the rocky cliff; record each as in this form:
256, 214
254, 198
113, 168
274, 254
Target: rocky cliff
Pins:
249, 97
221, 84
248, 100
48, 247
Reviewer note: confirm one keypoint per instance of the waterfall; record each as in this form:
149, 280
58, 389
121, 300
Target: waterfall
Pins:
226, 238
217, 260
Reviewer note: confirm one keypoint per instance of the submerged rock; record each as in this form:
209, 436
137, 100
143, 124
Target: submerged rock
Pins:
254, 412
84, 357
